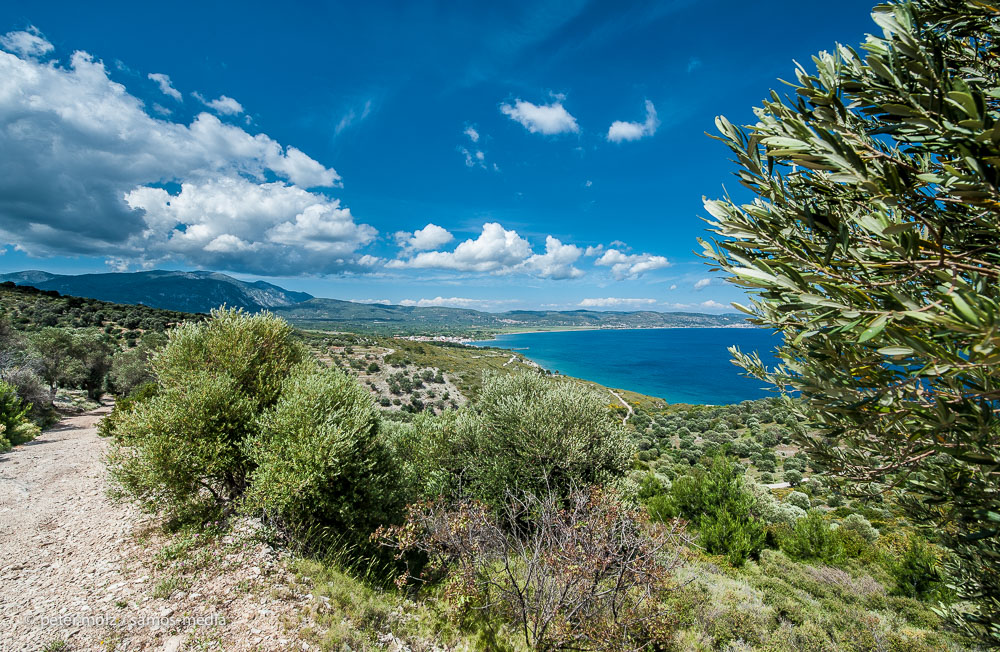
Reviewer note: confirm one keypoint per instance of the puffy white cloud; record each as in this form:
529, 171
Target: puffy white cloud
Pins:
76, 144
380, 302
630, 266
548, 119
234, 223
594, 251
557, 261
713, 305
619, 130
612, 302
166, 86
472, 134
702, 283
27, 43
495, 250
431, 236
223, 104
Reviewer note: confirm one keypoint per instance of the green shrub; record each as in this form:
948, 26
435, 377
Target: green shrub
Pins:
180, 452
798, 499
861, 525
534, 434
718, 502
323, 470
813, 539
916, 570
15, 427
256, 351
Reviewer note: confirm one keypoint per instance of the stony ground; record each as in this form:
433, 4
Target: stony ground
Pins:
79, 572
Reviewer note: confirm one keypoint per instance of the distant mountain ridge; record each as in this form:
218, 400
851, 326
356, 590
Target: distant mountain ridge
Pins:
170, 290
204, 291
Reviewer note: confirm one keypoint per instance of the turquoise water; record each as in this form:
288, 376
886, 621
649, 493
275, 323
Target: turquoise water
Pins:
680, 365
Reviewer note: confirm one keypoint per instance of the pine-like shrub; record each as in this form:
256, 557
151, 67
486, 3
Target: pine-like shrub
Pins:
719, 503
15, 428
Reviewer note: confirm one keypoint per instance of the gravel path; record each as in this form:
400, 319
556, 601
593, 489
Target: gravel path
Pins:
61, 539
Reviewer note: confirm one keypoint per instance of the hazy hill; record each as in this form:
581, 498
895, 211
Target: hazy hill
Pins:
184, 291
203, 291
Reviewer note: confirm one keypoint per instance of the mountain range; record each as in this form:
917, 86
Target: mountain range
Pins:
202, 291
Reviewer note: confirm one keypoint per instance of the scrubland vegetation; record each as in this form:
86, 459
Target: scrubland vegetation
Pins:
528, 519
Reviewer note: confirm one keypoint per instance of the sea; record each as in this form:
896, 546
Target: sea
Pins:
679, 365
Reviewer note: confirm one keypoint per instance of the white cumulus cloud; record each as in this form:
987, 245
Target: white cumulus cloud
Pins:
613, 302
702, 283
630, 266
713, 305
27, 43
557, 261
234, 223
496, 249
431, 236
449, 302
223, 104
620, 131
548, 119
166, 86
86, 170
472, 134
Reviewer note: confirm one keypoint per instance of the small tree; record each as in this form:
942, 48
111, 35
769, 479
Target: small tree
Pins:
871, 245
718, 502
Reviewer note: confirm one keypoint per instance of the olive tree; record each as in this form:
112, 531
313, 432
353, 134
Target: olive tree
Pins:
872, 244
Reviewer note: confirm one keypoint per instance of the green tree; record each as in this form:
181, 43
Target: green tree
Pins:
872, 245
57, 362
132, 368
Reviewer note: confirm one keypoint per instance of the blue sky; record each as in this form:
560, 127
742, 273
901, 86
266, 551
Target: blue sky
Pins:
514, 155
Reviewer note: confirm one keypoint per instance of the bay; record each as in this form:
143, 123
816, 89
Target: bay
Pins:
679, 365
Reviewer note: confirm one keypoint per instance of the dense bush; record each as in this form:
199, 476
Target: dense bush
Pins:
182, 451
861, 525
322, 466
15, 427
535, 434
720, 505
256, 351
915, 570
813, 538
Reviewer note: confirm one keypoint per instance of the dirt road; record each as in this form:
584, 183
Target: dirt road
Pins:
62, 542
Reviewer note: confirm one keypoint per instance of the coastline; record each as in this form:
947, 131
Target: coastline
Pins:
566, 329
